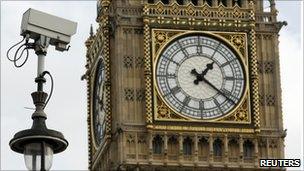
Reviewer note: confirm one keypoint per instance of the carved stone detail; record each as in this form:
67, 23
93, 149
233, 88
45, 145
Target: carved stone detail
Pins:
266, 67
132, 94
241, 114
133, 62
139, 62
130, 138
128, 62
269, 67
160, 38
204, 15
129, 94
267, 100
140, 94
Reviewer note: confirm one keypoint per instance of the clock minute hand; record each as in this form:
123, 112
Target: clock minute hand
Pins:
223, 94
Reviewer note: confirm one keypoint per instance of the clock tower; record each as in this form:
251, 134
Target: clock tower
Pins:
184, 85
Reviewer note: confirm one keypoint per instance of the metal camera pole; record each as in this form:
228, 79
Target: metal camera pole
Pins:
41, 49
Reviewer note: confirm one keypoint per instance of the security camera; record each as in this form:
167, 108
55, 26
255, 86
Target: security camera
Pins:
36, 24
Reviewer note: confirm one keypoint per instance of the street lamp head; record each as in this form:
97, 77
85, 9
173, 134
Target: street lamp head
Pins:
54, 138
39, 143
38, 146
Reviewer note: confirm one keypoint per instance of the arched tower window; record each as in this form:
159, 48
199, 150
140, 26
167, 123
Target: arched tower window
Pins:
233, 147
218, 148
263, 149
172, 146
157, 144
203, 149
165, 1
180, 2
194, 2
187, 146
248, 149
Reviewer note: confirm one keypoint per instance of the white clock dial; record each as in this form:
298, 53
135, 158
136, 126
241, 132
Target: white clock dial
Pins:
200, 77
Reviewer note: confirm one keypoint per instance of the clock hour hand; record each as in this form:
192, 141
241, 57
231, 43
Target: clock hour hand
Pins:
208, 67
194, 72
223, 94
199, 77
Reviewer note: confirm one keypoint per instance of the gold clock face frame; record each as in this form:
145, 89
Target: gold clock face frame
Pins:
161, 103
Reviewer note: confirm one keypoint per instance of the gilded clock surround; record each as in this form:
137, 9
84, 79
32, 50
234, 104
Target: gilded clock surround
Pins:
160, 15
163, 112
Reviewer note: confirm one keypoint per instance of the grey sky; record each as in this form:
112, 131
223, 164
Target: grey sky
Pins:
67, 109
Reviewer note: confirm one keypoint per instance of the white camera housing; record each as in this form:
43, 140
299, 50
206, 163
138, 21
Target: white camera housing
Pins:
37, 23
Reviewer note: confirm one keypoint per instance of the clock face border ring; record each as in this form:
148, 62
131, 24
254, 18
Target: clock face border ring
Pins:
219, 38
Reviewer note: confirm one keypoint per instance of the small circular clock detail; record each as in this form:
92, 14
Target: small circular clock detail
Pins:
200, 76
98, 103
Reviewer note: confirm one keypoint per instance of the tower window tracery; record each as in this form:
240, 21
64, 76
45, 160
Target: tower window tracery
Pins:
217, 147
233, 149
248, 149
172, 145
203, 147
187, 146
157, 145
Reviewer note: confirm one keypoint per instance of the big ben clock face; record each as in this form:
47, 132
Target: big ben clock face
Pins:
200, 77
98, 103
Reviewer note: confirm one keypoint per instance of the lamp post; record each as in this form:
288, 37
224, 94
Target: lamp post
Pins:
38, 144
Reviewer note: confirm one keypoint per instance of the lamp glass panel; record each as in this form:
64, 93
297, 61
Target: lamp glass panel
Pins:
32, 156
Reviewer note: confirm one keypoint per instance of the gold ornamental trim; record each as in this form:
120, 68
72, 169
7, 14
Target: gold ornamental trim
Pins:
199, 16
240, 114
157, 110
200, 129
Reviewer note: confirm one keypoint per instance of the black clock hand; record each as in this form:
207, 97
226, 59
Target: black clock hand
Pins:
194, 72
223, 94
199, 77
209, 67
